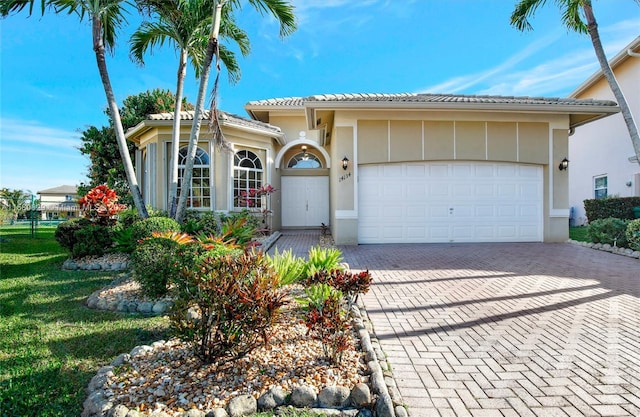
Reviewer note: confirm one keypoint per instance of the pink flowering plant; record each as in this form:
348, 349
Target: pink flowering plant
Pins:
252, 199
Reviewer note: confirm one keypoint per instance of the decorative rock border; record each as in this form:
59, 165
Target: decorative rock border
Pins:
123, 304
109, 262
608, 248
382, 399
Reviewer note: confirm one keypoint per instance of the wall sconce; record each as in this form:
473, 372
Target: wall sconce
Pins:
345, 163
564, 165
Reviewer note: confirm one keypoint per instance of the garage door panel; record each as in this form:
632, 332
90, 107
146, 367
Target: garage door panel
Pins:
412, 202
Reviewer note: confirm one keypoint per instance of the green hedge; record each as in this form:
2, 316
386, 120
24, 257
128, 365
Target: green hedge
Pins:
621, 208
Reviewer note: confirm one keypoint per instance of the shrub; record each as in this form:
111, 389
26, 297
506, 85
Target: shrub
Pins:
621, 208
65, 232
633, 234
289, 267
154, 262
236, 301
92, 240
127, 217
196, 223
144, 229
323, 259
326, 320
611, 231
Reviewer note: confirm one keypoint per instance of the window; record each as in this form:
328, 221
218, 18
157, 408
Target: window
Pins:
600, 187
200, 191
304, 160
247, 176
68, 198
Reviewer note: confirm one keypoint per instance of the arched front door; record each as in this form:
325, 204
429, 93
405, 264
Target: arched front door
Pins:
305, 198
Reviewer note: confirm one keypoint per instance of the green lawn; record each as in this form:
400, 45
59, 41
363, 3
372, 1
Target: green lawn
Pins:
50, 344
579, 233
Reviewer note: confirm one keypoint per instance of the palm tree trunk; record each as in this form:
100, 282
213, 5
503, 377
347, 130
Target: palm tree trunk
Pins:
592, 26
212, 47
98, 47
175, 139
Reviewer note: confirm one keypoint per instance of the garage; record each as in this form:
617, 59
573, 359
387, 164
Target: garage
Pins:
436, 202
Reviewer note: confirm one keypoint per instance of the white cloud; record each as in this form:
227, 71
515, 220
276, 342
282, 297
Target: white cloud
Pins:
557, 75
33, 132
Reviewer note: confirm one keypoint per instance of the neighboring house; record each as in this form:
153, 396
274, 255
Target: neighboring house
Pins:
603, 162
59, 203
381, 168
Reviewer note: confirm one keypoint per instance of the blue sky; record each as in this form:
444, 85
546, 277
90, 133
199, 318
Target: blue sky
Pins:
50, 89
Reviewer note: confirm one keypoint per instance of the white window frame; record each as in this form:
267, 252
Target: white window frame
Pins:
596, 189
257, 181
204, 199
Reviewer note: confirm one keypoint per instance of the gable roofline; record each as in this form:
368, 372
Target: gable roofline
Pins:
62, 189
618, 59
225, 119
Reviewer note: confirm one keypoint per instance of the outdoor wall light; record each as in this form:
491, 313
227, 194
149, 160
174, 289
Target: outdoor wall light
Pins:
564, 164
345, 163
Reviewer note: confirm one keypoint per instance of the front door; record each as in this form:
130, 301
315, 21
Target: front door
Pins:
305, 201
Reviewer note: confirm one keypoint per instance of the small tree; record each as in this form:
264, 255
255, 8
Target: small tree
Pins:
14, 202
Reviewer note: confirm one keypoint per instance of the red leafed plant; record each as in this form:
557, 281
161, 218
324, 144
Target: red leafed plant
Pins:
348, 283
326, 320
100, 205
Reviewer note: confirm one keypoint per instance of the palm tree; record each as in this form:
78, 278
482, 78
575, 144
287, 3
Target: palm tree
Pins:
107, 16
572, 19
283, 12
15, 202
185, 23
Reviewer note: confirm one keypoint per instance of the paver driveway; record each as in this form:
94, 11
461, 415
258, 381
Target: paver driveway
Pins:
507, 329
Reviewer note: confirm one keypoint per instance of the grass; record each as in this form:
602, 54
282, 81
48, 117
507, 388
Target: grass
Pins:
50, 344
579, 233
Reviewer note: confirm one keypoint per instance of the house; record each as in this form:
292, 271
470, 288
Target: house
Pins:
59, 202
378, 168
603, 161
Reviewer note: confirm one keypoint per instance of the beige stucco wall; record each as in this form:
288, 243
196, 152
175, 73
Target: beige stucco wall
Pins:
342, 185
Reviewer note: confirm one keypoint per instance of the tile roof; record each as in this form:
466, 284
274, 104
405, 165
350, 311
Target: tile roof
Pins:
223, 116
62, 189
429, 98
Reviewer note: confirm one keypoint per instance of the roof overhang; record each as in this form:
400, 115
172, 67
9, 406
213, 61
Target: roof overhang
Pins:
579, 114
135, 132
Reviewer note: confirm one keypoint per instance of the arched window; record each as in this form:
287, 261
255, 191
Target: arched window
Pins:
304, 160
248, 175
200, 190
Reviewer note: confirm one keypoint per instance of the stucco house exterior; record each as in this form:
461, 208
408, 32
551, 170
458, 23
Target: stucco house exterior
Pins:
602, 158
387, 168
59, 202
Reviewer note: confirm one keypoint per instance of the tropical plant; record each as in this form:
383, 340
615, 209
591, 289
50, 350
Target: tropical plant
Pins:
234, 303
283, 13
106, 16
326, 320
185, 23
93, 239
348, 283
65, 232
572, 11
290, 268
323, 259
100, 205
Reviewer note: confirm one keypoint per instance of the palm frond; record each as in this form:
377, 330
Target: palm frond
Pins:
524, 10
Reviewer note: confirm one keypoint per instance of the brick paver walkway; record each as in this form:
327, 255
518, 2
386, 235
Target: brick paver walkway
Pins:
507, 329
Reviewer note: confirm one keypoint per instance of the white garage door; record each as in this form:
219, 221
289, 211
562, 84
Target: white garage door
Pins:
449, 202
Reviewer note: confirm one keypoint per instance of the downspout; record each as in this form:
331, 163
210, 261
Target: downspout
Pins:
633, 54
